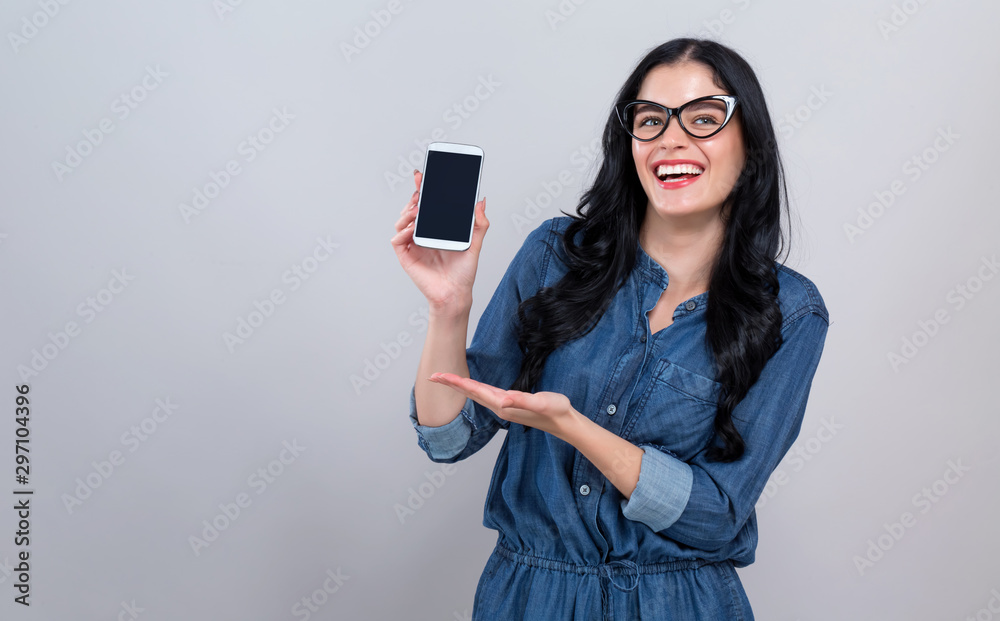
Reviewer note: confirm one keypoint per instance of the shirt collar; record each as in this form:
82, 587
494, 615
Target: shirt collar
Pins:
648, 270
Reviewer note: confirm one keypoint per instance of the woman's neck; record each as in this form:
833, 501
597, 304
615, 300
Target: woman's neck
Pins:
685, 248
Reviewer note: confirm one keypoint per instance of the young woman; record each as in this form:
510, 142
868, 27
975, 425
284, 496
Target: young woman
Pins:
649, 359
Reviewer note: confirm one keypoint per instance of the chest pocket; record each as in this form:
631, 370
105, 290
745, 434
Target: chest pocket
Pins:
677, 411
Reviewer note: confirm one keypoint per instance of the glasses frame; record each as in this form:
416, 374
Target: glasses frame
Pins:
622, 106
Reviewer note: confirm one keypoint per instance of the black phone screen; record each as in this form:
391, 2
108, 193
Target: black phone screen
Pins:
448, 196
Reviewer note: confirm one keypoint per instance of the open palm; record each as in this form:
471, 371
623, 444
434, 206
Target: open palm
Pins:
547, 411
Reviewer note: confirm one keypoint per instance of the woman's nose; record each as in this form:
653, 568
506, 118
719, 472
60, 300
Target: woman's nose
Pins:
673, 133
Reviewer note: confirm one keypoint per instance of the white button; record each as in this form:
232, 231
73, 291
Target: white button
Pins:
690, 305
612, 409
584, 489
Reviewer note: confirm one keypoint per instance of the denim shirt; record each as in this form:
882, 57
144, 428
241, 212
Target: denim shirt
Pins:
655, 390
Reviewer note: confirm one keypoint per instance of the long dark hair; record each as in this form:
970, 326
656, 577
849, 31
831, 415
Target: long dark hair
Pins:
742, 315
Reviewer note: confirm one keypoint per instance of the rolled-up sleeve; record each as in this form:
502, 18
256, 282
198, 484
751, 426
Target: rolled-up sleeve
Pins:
662, 491
494, 356
444, 442
704, 504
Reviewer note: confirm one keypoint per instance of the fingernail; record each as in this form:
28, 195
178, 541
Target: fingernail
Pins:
415, 171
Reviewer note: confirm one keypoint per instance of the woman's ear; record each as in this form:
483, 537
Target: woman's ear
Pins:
727, 207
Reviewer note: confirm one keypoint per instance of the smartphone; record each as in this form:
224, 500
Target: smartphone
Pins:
446, 210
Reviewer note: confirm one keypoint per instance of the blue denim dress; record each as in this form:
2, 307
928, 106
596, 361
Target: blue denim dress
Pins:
570, 546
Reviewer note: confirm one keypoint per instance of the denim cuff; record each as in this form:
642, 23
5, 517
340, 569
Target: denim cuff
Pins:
662, 492
446, 441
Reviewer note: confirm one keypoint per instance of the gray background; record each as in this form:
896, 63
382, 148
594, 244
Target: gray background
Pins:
328, 174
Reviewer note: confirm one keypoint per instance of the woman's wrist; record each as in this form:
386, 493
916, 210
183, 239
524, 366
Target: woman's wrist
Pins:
617, 458
451, 310
572, 427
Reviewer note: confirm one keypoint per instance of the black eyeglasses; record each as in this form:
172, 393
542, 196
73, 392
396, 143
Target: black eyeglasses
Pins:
699, 118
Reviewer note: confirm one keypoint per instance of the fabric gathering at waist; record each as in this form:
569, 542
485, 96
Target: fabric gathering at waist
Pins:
614, 571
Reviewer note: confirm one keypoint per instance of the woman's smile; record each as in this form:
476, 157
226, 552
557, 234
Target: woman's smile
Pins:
673, 174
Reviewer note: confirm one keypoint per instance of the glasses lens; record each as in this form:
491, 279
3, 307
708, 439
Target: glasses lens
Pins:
644, 121
702, 118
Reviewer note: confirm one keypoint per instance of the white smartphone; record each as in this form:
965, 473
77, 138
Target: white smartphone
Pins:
446, 210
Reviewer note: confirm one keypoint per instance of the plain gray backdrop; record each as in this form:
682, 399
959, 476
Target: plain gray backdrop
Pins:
196, 283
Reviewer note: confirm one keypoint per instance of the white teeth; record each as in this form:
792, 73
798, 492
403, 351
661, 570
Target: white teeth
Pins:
679, 169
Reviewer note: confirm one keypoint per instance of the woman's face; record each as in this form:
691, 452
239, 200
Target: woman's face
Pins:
720, 157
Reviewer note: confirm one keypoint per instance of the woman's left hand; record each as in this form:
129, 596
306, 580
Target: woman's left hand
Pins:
548, 411
617, 458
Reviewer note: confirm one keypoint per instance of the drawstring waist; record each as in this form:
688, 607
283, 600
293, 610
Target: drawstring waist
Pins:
622, 574
628, 567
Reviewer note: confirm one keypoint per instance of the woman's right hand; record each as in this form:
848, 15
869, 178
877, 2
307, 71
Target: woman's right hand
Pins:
445, 277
